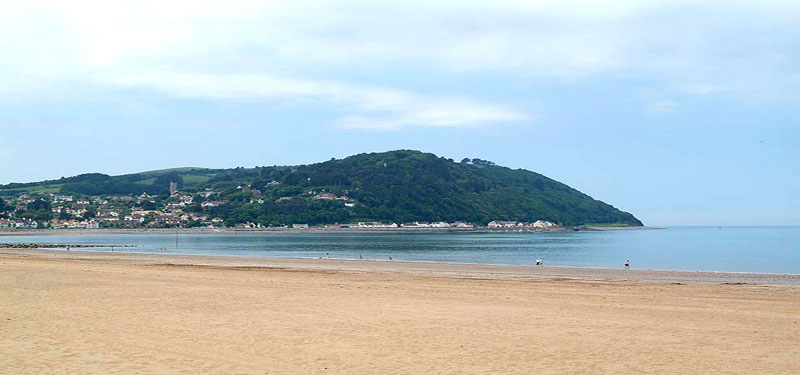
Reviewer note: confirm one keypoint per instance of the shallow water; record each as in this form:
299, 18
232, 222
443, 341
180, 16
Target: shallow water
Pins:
734, 249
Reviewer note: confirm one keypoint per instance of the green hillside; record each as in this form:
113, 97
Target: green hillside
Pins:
396, 186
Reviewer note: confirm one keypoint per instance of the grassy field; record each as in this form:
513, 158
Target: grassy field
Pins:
194, 179
34, 189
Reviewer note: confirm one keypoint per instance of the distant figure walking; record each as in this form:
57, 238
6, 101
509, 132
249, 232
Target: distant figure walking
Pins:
539, 261
328, 255
112, 248
628, 264
360, 257
390, 257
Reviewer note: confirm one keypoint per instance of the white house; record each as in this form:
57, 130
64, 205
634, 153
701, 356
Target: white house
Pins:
504, 224
416, 225
542, 224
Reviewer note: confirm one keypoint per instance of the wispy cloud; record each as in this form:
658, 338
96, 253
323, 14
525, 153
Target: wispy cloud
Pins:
317, 50
440, 113
379, 108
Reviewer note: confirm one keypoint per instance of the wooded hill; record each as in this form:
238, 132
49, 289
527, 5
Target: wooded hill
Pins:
396, 186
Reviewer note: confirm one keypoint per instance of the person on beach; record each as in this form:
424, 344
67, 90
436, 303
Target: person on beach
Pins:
628, 264
390, 257
538, 261
328, 255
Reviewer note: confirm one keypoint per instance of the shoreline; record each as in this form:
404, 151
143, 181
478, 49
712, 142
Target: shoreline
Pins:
77, 232
490, 271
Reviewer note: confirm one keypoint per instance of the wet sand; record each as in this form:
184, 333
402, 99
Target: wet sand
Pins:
104, 313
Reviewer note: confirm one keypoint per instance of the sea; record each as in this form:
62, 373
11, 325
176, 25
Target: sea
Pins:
729, 249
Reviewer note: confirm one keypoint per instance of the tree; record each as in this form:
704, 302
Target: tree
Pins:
39, 205
148, 205
477, 161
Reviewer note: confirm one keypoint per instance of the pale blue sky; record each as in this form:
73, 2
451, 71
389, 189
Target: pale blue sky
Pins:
679, 112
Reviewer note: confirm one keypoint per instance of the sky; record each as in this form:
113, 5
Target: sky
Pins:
680, 112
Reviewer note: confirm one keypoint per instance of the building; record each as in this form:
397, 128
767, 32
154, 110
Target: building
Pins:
173, 187
376, 224
328, 196
26, 224
542, 224
175, 205
416, 225
74, 224
105, 213
504, 224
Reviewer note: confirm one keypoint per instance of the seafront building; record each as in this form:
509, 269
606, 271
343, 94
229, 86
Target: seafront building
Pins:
189, 209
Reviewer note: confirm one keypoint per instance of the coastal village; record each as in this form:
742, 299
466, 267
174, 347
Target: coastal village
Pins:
187, 210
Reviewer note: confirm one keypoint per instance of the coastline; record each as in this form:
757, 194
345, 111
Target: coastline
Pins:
80, 232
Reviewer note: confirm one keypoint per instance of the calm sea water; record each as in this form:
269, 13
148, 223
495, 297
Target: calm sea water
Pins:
736, 249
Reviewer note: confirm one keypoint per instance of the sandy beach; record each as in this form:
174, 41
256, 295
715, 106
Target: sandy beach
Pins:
104, 313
